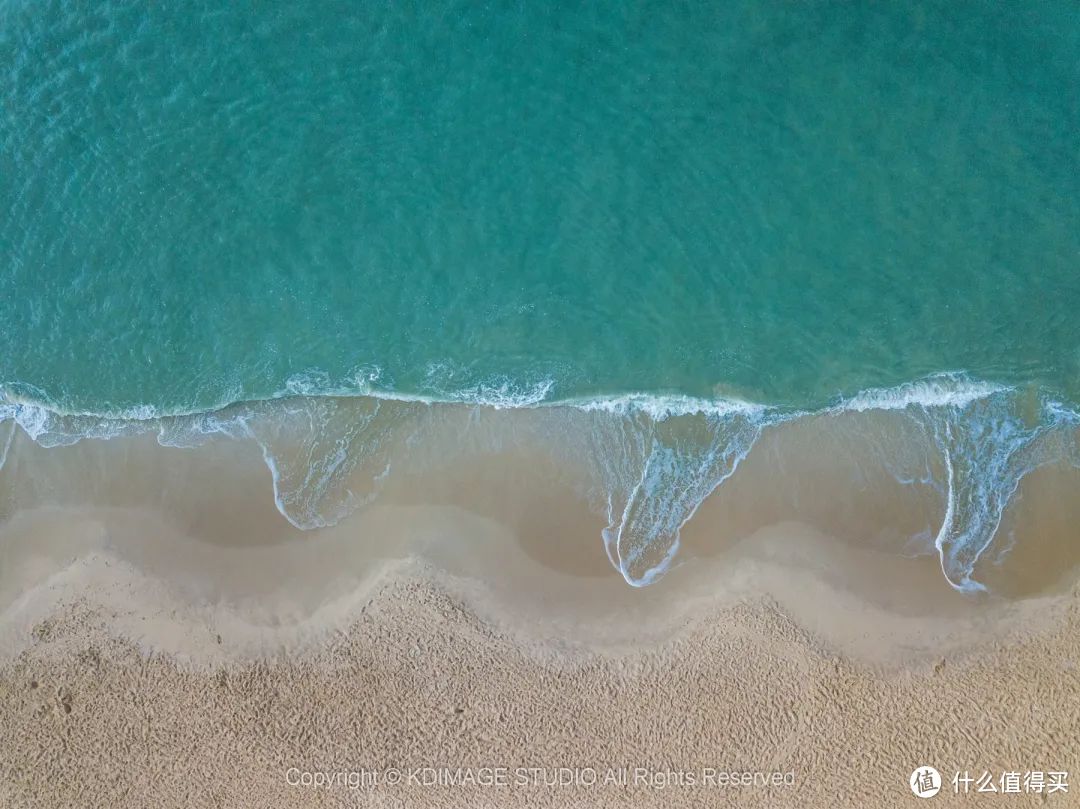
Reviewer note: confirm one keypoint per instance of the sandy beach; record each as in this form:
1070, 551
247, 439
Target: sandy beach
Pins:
169, 639
455, 660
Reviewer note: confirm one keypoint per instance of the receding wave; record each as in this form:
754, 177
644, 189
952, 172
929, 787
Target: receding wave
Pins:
645, 462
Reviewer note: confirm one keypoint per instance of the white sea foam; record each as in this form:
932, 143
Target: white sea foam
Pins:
502, 394
7, 434
661, 407
656, 475
939, 390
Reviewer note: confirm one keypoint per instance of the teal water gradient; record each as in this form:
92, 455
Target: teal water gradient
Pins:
781, 201
862, 215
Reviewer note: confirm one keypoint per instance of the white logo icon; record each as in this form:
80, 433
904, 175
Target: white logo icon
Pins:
925, 782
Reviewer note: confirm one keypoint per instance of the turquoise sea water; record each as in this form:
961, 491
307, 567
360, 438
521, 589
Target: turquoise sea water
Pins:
514, 203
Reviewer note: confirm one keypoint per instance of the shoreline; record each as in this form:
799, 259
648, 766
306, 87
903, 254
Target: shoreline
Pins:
946, 461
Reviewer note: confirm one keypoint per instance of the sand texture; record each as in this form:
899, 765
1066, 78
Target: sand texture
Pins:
427, 669
168, 640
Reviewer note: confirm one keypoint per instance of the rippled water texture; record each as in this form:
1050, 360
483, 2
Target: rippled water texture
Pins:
638, 237
209, 203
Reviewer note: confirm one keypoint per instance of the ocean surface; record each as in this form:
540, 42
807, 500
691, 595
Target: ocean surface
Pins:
668, 226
